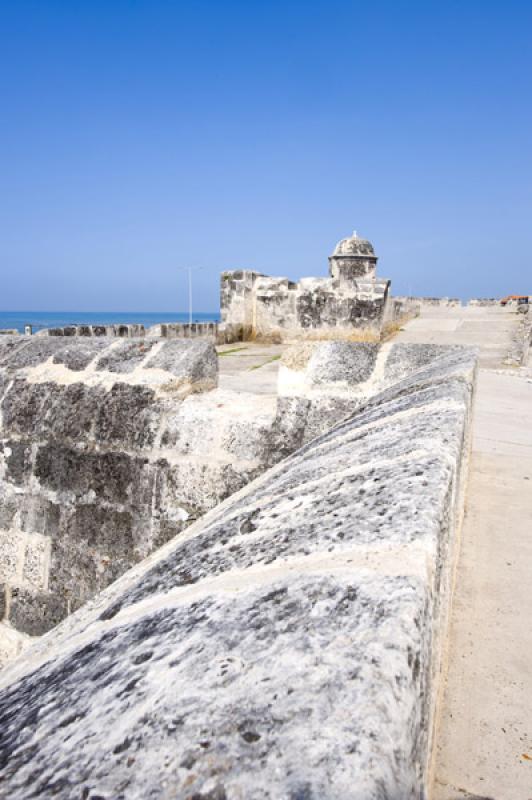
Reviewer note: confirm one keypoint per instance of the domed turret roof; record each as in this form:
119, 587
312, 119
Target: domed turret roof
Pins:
354, 246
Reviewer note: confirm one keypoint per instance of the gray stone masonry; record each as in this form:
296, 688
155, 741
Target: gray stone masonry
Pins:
351, 299
288, 644
166, 330
95, 466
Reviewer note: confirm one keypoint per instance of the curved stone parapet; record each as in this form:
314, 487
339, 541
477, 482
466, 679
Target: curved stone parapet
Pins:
288, 644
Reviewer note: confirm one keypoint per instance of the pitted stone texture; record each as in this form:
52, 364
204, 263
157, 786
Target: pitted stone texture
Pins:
394, 448
8, 345
281, 691
79, 355
11, 641
287, 645
330, 380
183, 364
98, 468
404, 359
193, 362
31, 352
109, 466
11, 550
36, 555
342, 362
125, 356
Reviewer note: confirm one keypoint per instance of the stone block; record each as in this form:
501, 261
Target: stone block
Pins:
124, 357
8, 506
35, 612
11, 555
25, 405
33, 352
17, 457
11, 643
342, 363
112, 476
191, 363
39, 515
36, 561
126, 416
78, 355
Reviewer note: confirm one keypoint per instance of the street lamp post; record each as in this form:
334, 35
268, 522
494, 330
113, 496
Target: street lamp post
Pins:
189, 270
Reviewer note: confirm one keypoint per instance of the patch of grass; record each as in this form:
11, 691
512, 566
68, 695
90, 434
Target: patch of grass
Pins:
391, 329
268, 361
233, 350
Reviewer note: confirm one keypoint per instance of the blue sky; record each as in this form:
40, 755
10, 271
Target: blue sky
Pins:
141, 136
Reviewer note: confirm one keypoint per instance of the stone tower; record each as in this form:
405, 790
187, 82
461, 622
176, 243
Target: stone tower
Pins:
353, 259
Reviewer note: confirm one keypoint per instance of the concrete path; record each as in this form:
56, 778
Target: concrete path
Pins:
249, 367
484, 741
490, 329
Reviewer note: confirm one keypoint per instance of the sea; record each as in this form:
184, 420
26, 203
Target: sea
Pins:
58, 319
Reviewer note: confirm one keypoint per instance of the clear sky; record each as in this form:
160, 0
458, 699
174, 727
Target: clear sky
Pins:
140, 136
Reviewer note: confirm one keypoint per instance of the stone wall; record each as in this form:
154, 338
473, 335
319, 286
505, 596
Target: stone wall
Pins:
236, 299
289, 643
166, 330
107, 450
255, 304
185, 330
88, 485
444, 302
124, 331
277, 307
484, 301
351, 299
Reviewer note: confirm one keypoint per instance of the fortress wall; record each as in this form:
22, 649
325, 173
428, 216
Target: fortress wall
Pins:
444, 302
288, 644
185, 330
399, 310
267, 307
83, 441
484, 301
236, 298
124, 331
167, 330
107, 450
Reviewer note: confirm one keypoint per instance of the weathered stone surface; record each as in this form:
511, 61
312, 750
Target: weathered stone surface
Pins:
12, 642
193, 362
185, 330
110, 465
125, 356
79, 355
287, 645
83, 476
351, 298
30, 352
340, 361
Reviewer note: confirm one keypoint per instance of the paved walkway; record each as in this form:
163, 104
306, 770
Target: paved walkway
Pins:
249, 367
484, 741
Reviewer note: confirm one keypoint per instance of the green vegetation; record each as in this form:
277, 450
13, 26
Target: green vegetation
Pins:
268, 361
233, 350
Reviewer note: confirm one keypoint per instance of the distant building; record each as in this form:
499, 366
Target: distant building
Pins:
351, 298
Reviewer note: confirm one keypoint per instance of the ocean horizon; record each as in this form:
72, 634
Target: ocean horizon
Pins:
40, 320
